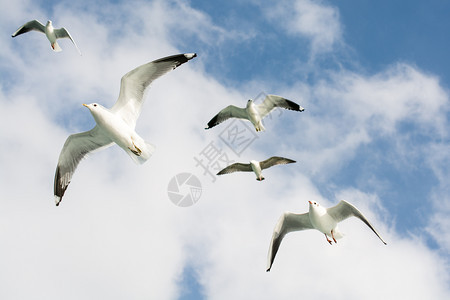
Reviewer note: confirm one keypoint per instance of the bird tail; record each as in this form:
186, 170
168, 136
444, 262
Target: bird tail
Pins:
56, 47
260, 127
337, 234
146, 149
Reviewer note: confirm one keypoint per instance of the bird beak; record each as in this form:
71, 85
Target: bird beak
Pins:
310, 202
85, 105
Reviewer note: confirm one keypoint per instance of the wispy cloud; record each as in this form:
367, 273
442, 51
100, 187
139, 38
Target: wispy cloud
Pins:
315, 20
117, 235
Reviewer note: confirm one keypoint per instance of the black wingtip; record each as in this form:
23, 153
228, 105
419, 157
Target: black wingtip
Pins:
268, 270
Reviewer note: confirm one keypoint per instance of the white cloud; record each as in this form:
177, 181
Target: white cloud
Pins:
116, 235
312, 19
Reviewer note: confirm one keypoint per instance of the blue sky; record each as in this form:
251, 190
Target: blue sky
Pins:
373, 77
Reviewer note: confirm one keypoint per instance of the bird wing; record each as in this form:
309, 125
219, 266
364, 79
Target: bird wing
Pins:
63, 33
230, 111
134, 84
272, 101
29, 26
288, 222
236, 167
75, 148
275, 160
344, 210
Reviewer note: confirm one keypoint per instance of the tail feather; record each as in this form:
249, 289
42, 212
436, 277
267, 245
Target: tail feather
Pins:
56, 47
260, 127
146, 153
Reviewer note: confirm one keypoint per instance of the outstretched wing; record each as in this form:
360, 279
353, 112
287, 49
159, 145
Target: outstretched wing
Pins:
272, 101
275, 160
288, 222
134, 84
344, 210
29, 26
75, 148
63, 33
236, 167
230, 111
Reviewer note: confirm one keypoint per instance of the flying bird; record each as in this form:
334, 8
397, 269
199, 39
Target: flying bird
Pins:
256, 166
254, 112
115, 125
323, 219
52, 33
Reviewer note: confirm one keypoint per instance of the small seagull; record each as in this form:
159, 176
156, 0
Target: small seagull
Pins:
115, 125
254, 112
256, 166
323, 219
52, 33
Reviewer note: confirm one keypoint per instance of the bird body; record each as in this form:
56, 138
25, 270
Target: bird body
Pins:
256, 166
119, 132
254, 112
50, 32
254, 116
322, 219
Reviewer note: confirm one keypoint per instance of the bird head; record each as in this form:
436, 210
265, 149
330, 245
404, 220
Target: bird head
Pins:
249, 102
94, 108
314, 207
313, 204
49, 22
97, 111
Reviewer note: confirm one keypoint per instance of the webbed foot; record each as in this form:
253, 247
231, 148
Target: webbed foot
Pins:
136, 152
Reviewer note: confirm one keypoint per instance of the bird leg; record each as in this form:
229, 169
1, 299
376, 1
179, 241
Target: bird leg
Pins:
332, 235
328, 240
137, 152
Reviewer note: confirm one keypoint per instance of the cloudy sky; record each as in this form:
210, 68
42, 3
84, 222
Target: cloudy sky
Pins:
373, 77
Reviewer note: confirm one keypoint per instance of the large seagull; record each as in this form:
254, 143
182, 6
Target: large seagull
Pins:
52, 33
323, 219
254, 112
115, 125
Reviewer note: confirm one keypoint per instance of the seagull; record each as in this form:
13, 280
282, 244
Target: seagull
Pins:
115, 125
52, 33
256, 166
323, 219
254, 112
